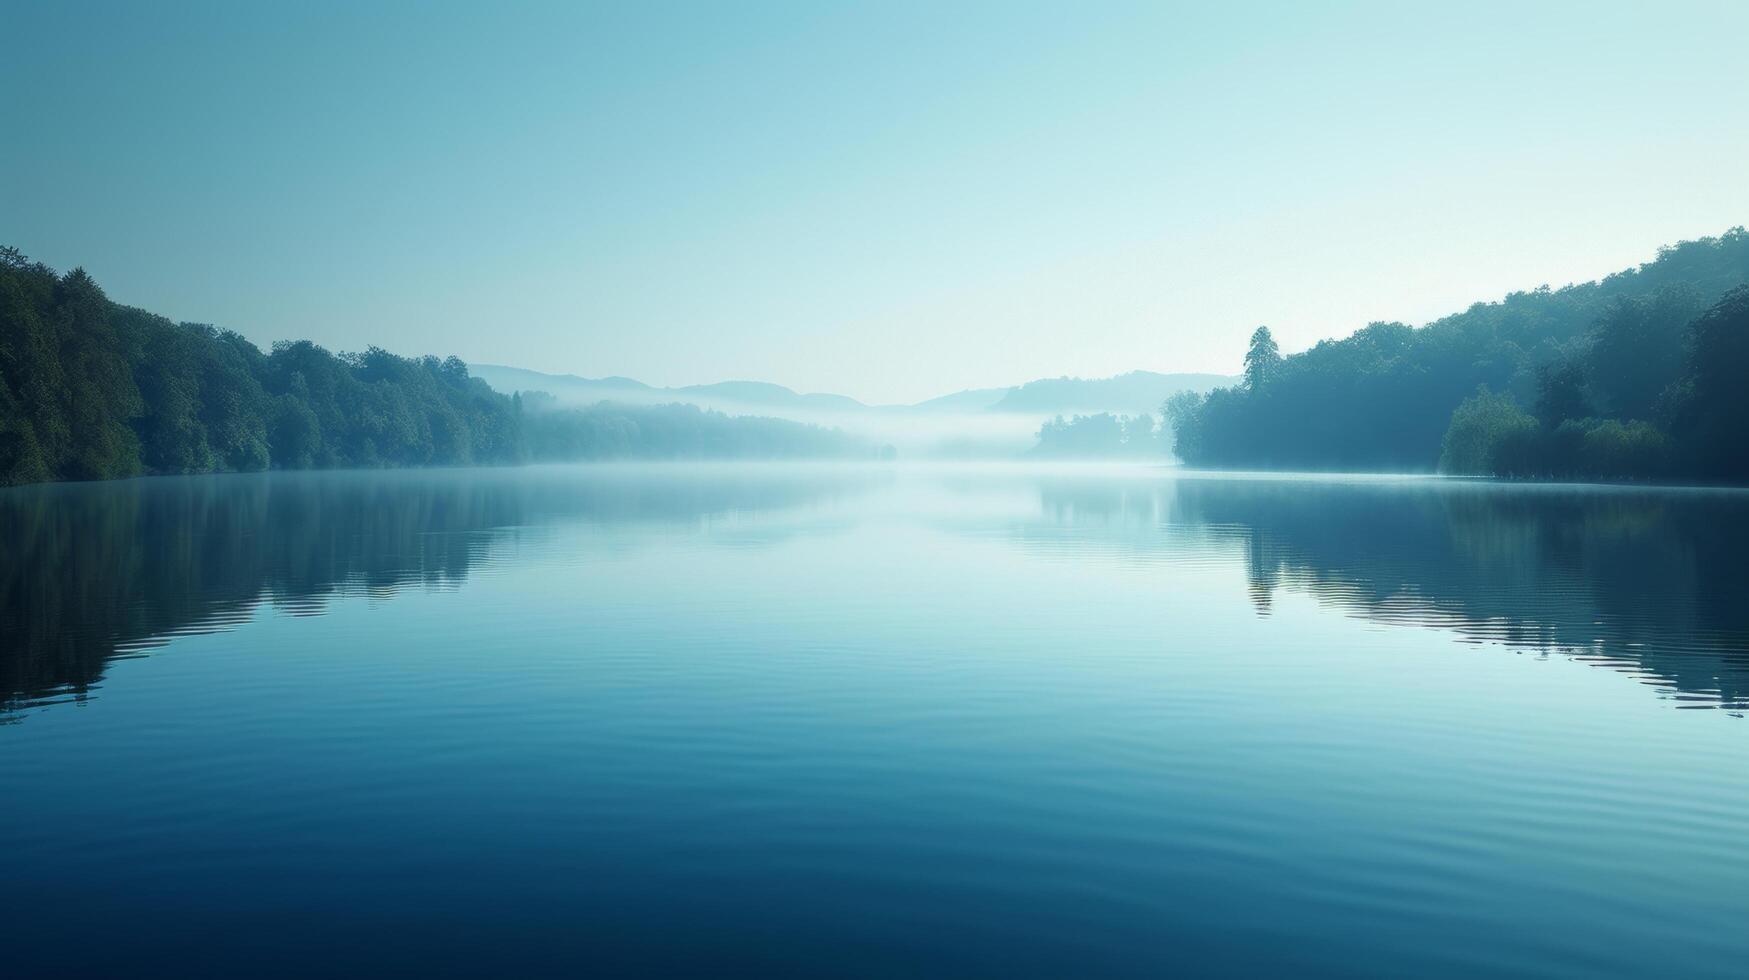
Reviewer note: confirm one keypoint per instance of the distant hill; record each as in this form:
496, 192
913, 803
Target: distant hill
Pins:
567, 386
766, 394
972, 400
1135, 392
724, 395
1132, 393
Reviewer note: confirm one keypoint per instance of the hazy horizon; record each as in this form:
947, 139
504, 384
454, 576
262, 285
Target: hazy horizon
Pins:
891, 203
1109, 490
492, 366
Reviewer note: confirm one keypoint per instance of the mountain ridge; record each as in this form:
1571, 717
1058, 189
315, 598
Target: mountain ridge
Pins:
1133, 391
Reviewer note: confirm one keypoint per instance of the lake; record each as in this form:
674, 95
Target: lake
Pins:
873, 721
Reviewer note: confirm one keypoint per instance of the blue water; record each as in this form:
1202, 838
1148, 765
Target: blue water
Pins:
862, 721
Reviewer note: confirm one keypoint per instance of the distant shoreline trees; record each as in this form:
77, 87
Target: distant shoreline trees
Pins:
1101, 436
92, 390
1637, 376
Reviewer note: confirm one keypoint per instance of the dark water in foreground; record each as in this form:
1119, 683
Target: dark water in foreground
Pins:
771, 720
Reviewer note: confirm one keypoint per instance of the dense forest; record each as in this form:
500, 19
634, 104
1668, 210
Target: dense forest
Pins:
93, 390
1636, 376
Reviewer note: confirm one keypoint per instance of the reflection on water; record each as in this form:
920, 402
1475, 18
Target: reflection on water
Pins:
1645, 580
93, 572
864, 721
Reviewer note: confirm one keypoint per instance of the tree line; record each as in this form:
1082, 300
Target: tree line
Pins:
1636, 376
1101, 436
94, 390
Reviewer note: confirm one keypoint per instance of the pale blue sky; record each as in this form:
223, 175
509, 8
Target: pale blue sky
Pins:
889, 200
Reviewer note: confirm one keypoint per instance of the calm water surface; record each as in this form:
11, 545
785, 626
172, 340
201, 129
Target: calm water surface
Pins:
879, 722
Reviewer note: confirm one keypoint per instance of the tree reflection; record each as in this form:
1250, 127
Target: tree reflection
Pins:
90, 572
1641, 579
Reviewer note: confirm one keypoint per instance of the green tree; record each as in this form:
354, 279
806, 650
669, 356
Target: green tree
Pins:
1709, 415
1484, 431
1561, 393
1181, 415
1636, 349
1262, 360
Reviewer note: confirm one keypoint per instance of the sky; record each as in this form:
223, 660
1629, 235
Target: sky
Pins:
888, 200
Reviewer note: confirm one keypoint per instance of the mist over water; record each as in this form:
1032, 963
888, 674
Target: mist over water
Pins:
854, 719
731, 490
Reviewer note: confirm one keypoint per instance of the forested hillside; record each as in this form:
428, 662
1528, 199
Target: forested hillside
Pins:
93, 390
1626, 377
